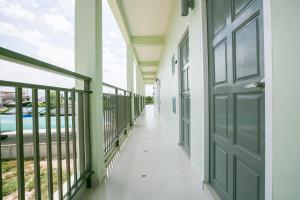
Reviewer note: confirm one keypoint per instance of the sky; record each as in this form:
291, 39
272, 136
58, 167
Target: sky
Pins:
44, 29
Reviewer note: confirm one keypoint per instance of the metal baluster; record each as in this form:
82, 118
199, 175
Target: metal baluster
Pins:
74, 137
67, 140
106, 123
20, 147
49, 145
81, 134
110, 125
124, 110
58, 144
117, 117
87, 130
36, 144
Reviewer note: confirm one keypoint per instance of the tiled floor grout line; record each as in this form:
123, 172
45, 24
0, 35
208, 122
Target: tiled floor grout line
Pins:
150, 144
162, 185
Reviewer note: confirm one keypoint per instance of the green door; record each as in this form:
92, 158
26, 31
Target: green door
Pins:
236, 72
185, 92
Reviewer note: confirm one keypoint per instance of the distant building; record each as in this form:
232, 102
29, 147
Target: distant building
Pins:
7, 96
10, 97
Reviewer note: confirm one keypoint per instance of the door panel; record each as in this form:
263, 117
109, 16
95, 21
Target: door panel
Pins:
246, 53
220, 66
185, 93
221, 172
236, 104
239, 5
247, 182
219, 17
221, 115
248, 109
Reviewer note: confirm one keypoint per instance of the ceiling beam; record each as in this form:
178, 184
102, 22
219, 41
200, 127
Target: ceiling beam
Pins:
149, 83
149, 79
148, 63
149, 73
149, 69
147, 40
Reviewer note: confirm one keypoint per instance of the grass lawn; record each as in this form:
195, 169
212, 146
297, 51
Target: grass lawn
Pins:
9, 178
3, 110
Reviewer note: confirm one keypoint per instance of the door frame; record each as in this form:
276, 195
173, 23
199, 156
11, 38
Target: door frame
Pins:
158, 84
186, 32
268, 97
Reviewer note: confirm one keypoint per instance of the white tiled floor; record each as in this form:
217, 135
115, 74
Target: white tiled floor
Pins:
152, 151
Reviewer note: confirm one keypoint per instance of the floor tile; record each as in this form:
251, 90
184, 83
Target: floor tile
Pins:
151, 151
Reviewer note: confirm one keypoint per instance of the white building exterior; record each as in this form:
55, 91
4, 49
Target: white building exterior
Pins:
281, 69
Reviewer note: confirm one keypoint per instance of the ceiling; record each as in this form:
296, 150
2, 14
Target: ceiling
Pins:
144, 24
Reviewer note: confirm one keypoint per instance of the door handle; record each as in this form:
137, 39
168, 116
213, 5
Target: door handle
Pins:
260, 84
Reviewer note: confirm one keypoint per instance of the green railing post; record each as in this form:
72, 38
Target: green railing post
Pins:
49, 145
117, 115
87, 130
58, 144
74, 141
67, 140
131, 117
20, 144
36, 144
81, 134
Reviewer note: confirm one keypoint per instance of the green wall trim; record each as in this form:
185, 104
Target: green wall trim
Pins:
147, 40
148, 63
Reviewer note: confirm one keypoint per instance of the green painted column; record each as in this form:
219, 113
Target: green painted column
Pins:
88, 61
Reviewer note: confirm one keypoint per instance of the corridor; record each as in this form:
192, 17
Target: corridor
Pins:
150, 166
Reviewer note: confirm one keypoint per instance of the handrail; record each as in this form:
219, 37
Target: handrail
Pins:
114, 87
74, 100
36, 86
15, 57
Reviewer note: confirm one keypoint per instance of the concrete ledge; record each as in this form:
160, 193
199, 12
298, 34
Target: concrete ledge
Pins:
9, 151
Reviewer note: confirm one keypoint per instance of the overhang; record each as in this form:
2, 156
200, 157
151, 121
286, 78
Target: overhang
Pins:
143, 24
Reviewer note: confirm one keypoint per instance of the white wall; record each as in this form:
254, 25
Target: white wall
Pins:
282, 62
285, 28
176, 29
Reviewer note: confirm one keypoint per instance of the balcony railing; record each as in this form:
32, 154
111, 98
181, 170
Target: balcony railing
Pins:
60, 154
117, 116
